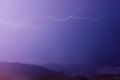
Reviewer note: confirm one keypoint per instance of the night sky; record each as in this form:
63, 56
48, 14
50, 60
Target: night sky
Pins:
60, 32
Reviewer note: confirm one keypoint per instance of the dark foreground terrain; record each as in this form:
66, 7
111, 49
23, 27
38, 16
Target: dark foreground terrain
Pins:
20, 71
63, 77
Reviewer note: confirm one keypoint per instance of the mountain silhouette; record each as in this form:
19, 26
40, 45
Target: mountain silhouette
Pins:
14, 71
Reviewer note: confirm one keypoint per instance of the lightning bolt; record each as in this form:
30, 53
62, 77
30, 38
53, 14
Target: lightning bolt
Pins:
23, 23
70, 17
14, 26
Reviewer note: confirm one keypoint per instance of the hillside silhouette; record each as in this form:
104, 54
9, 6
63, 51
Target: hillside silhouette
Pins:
22, 71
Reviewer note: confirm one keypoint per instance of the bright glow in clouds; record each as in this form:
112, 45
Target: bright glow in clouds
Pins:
39, 31
13, 15
25, 43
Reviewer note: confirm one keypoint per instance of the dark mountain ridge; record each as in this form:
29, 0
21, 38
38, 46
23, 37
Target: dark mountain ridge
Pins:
21, 70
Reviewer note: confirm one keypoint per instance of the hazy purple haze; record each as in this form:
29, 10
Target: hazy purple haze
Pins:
59, 31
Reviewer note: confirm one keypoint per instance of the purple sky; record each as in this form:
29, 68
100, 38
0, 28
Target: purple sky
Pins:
25, 36
57, 31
